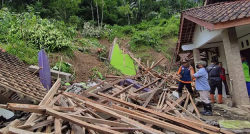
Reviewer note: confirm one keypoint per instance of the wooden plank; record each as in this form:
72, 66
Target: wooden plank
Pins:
138, 62
186, 102
55, 99
123, 90
79, 122
36, 108
177, 101
147, 85
174, 119
107, 86
78, 96
45, 100
124, 129
57, 126
153, 93
176, 111
153, 66
185, 110
195, 108
151, 120
48, 127
100, 121
14, 130
40, 124
123, 118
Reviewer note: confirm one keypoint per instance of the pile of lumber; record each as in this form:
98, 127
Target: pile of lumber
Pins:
138, 104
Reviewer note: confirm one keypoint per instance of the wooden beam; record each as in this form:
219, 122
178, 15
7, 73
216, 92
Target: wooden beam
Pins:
174, 119
45, 100
150, 97
233, 23
123, 118
14, 130
99, 121
207, 25
152, 120
195, 108
153, 66
107, 86
176, 111
123, 90
147, 85
58, 126
138, 62
36, 108
80, 123
177, 101
40, 124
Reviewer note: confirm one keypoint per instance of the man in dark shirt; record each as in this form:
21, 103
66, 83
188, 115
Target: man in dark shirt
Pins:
215, 81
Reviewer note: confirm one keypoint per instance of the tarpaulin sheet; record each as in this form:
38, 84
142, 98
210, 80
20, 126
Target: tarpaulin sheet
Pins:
44, 73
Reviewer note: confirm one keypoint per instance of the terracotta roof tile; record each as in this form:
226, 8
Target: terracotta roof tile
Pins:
221, 12
16, 77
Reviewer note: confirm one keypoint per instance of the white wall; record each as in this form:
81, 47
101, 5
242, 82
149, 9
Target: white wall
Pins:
203, 36
244, 41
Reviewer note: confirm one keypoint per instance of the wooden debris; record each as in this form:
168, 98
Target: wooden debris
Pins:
117, 106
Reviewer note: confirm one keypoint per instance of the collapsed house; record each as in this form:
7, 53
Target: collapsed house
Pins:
144, 103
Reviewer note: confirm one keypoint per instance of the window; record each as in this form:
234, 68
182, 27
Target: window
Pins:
242, 44
247, 42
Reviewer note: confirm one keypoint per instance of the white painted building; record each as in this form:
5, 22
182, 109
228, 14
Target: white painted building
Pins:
220, 31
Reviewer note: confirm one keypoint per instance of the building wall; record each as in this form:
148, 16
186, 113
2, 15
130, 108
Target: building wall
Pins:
244, 42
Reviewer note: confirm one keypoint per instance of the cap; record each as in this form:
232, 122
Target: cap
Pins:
184, 61
201, 62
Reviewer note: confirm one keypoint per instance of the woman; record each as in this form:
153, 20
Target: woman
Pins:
202, 86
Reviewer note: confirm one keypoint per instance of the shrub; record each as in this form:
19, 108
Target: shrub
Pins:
35, 32
89, 30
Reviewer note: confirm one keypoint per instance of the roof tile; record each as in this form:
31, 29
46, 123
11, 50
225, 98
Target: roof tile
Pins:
16, 77
221, 12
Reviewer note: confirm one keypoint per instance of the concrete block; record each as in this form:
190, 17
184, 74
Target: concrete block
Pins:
62, 75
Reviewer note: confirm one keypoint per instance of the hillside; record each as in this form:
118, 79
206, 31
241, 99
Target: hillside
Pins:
71, 31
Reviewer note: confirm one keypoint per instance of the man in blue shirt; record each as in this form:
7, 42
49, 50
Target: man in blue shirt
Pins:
202, 86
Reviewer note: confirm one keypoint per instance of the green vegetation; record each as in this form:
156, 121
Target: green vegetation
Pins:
65, 67
64, 25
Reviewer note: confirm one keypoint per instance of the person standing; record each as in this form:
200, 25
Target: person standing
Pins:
202, 86
245, 66
215, 81
223, 77
185, 77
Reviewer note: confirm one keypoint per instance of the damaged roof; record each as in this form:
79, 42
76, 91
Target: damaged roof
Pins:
216, 16
16, 77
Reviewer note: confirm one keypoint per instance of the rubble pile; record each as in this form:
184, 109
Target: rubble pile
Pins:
144, 103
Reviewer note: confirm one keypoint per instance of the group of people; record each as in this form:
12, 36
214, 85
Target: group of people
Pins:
207, 80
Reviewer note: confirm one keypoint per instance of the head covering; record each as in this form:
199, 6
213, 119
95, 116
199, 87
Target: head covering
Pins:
201, 62
184, 61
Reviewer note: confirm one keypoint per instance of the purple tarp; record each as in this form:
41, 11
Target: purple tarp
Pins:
44, 73
137, 86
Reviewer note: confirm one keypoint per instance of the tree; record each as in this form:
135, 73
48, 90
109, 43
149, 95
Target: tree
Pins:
125, 10
66, 8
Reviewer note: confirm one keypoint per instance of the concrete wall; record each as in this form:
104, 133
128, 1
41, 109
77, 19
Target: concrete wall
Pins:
243, 42
202, 36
